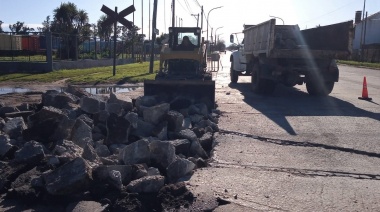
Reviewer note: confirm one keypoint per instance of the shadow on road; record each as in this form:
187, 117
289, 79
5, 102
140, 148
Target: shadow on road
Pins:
287, 101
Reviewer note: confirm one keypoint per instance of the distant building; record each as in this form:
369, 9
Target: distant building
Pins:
370, 36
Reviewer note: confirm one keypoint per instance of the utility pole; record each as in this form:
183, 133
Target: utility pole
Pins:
173, 15
133, 35
149, 20
153, 37
361, 36
142, 17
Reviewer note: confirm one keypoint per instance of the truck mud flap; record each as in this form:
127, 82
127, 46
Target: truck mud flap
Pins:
182, 93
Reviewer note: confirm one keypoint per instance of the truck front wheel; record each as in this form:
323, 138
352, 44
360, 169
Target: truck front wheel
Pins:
259, 84
316, 89
234, 75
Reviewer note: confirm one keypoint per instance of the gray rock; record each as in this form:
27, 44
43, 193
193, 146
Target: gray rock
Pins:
179, 168
101, 117
81, 133
216, 111
200, 109
87, 120
114, 108
144, 129
53, 160
59, 99
91, 104
195, 146
115, 179
6, 109
146, 101
175, 120
48, 125
67, 151
101, 173
102, 151
208, 123
116, 148
206, 141
182, 146
117, 130
156, 114
121, 99
84, 206
162, 153
135, 153
77, 91
31, 150
161, 131
24, 107
22, 188
139, 171
71, 178
133, 118
214, 117
148, 184
89, 153
196, 118
6, 149
14, 127
186, 123
153, 171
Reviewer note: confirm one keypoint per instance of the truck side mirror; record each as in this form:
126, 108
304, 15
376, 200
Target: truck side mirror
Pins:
231, 38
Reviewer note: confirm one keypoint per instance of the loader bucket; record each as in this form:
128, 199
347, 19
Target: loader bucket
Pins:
182, 93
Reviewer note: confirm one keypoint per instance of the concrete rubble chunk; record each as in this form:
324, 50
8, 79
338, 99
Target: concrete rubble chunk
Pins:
146, 101
121, 99
179, 168
200, 109
91, 104
161, 131
6, 149
156, 114
182, 146
59, 99
162, 153
89, 153
115, 179
114, 108
196, 118
188, 134
83, 206
101, 173
48, 125
67, 151
148, 184
195, 146
31, 150
81, 133
133, 118
116, 148
139, 171
206, 141
101, 117
208, 123
175, 120
7, 109
153, 171
144, 129
117, 130
87, 120
77, 91
72, 177
187, 123
135, 153
14, 127
102, 151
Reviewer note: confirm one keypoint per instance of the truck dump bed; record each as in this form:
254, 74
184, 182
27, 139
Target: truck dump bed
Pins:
288, 41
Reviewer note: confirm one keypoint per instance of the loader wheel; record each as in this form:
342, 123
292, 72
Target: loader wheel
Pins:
316, 89
234, 75
260, 85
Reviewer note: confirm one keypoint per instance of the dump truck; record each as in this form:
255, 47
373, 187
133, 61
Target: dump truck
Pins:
183, 71
273, 54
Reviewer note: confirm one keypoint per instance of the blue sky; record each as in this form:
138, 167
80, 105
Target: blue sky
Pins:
231, 17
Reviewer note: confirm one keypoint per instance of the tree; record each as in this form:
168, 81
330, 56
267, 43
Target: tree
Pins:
45, 25
220, 45
20, 28
72, 24
1, 29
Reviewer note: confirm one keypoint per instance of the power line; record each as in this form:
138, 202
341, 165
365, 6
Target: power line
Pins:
328, 13
188, 7
196, 1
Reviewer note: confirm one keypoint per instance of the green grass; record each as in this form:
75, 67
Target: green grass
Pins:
135, 72
32, 58
359, 64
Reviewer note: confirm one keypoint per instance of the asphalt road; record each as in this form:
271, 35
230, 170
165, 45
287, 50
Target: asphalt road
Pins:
294, 152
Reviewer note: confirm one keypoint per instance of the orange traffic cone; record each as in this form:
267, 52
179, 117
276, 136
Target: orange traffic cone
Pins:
365, 91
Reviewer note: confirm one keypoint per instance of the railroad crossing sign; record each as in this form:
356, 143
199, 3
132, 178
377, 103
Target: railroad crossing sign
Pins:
113, 18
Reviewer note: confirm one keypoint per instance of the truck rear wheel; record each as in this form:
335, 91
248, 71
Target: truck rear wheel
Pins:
316, 89
234, 75
260, 85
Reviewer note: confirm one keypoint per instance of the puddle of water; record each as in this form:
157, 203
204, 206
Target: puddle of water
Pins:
91, 90
5, 90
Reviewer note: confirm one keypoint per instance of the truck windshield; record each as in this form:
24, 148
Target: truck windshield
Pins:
192, 38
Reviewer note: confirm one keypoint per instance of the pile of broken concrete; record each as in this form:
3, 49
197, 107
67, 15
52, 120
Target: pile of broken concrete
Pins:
113, 151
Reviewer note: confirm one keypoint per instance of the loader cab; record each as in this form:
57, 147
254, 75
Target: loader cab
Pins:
178, 36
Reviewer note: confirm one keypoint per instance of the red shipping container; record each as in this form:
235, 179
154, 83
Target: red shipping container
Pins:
30, 43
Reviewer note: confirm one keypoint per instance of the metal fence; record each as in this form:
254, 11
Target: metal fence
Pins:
32, 47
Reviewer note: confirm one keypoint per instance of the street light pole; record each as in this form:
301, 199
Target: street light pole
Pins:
208, 16
283, 23
215, 34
